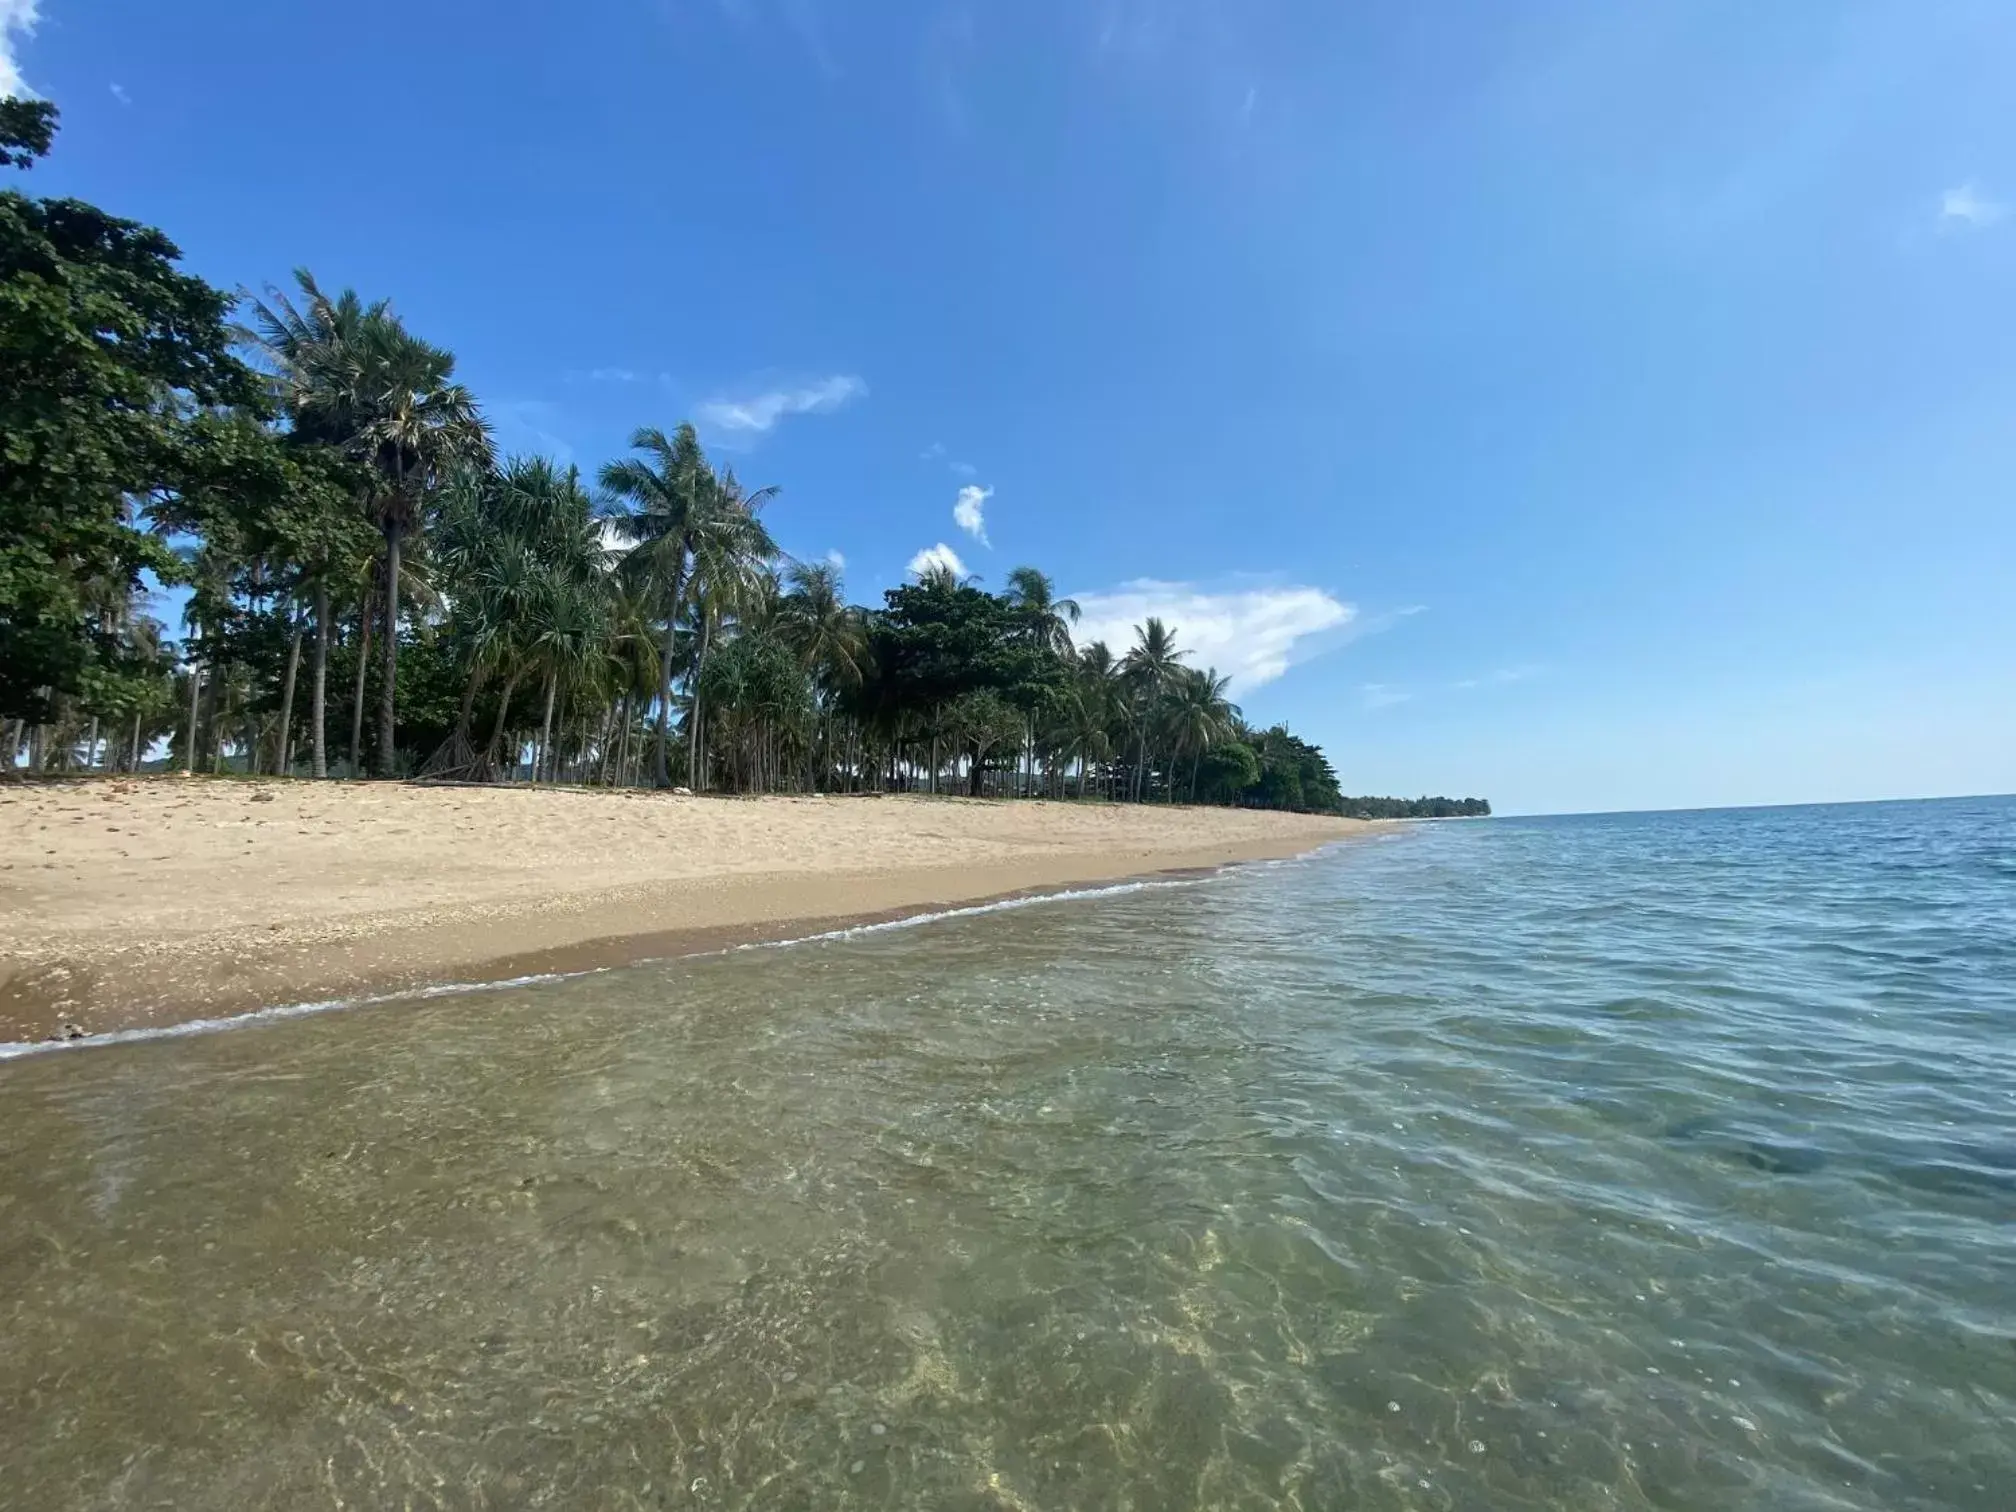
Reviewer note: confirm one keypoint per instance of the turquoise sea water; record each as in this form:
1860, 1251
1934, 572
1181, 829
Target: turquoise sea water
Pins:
1660, 1161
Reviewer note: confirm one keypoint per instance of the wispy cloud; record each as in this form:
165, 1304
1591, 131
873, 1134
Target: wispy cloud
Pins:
836, 559
604, 375
760, 412
940, 555
802, 16
1383, 695
969, 512
119, 94
945, 58
1251, 635
17, 23
1500, 677
936, 452
1965, 207
529, 426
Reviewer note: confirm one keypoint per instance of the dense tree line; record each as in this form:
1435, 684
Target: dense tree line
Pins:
1415, 808
373, 590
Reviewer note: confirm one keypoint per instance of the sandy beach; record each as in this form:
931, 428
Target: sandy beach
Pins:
126, 903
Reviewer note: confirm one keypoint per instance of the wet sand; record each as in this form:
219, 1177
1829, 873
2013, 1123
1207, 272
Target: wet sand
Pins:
129, 903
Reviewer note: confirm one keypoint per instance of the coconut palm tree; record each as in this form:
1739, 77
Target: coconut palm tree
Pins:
417, 426
1045, 618
351, 376
1150, 668
1197, 716
1046, 622
828, 637
310, 353
657, 501
730, 574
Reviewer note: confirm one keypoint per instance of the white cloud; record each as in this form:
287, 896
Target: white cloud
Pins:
969, 512
604, 375
837, 560
940, 555
119, 94
1383, 695
1967, 206
16, 16
964, 469
759, 412
1251, 635
932, 452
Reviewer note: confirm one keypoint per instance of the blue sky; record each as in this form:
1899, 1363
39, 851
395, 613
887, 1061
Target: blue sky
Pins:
1583, 405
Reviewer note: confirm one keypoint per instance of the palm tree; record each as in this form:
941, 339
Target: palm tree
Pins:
663, 495
311, 355
1198, 716
730, 574
352, 377
831, 643
527, 577
1046, 622
1046, 619
1150, 668
418, 426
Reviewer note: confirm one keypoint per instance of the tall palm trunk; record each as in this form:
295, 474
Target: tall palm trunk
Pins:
695, 751
214, 722
491, 751
319, 703
661, 770
287, 703
357, 692
195, 695
133, 761
388, 696
623, 748
541, 754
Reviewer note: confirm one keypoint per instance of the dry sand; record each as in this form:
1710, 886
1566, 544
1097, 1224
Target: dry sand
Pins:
153, 901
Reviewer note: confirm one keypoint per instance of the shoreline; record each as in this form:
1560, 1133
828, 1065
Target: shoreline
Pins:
222, 921
613, 953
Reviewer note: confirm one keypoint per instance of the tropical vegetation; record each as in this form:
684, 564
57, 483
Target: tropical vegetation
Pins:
373, 590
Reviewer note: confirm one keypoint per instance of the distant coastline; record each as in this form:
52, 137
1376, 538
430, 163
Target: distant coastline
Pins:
150, 902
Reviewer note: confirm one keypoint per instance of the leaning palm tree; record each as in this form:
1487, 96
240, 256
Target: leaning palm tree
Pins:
656, 503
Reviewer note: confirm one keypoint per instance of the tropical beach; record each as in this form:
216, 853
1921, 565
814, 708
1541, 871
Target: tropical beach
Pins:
129, 903
743, 747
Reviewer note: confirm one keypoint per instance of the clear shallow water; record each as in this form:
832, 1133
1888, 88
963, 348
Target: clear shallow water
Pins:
1651, 1161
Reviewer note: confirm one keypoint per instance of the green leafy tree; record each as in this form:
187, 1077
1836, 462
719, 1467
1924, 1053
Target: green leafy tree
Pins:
110, 360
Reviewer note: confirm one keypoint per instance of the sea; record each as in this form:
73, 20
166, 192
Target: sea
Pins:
1621, 1162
